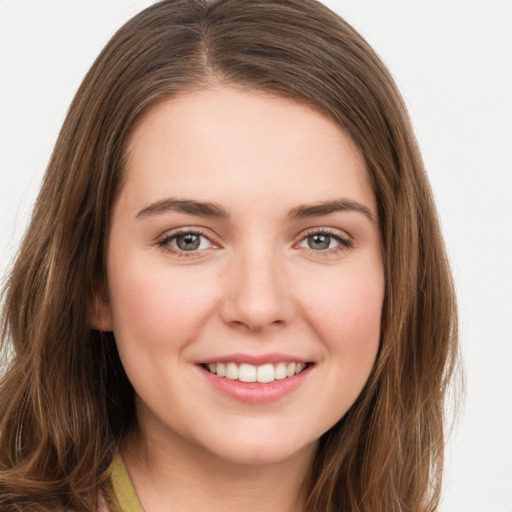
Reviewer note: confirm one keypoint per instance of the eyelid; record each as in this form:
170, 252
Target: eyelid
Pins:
164, 240
346, 241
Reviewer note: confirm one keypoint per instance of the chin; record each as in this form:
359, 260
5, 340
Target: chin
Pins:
258, 450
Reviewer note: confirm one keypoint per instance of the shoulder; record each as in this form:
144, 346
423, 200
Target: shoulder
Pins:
102, 504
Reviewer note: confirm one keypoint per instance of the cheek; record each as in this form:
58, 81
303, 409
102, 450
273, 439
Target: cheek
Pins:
347, 317
157, 306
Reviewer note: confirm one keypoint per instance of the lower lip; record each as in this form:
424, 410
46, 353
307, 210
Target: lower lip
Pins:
256, 392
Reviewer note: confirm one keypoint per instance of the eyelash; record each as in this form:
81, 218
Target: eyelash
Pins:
165, 242
344, 242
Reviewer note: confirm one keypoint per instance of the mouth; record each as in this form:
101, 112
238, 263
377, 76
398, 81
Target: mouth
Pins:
263, 374
257, 379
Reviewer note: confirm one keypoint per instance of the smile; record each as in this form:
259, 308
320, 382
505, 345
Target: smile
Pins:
264, 373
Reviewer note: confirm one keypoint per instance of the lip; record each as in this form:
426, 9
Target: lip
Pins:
256, 392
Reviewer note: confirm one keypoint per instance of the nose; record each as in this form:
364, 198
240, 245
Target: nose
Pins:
257, 292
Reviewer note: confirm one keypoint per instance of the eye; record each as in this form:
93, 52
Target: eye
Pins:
325, 241
186, 242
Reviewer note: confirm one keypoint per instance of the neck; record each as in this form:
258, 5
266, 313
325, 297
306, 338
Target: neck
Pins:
182, 477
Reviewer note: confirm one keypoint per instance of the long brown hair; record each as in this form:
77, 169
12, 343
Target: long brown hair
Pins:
65, 401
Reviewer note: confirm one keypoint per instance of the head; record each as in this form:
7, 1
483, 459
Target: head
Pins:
387, 447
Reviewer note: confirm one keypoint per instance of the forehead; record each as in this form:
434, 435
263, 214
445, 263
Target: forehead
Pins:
227, 140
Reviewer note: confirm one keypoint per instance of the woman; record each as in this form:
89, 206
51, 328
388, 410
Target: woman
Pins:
233, 288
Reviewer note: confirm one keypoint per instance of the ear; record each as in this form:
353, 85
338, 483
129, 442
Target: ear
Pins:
100, 315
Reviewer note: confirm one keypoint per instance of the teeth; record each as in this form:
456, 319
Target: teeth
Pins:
280, 371
250, 373
232, 371
221, 370
247, 373
266, 373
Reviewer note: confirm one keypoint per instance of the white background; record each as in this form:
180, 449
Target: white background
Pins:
453, 63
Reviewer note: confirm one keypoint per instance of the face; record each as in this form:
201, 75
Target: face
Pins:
245, 278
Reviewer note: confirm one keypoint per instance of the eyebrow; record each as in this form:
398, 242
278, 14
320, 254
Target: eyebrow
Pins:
203, 209
208, 209
327, 207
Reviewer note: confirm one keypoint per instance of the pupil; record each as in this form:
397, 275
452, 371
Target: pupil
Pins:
319, 242
188, 242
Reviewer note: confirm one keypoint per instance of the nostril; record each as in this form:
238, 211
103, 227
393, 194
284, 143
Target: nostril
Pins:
256, 326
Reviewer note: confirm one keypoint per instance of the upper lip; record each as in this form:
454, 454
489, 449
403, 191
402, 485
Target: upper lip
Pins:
255, 359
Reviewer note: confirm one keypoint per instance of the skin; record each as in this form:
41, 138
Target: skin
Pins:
256, 285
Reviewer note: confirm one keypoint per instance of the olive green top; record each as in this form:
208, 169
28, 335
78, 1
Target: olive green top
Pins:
120, 495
